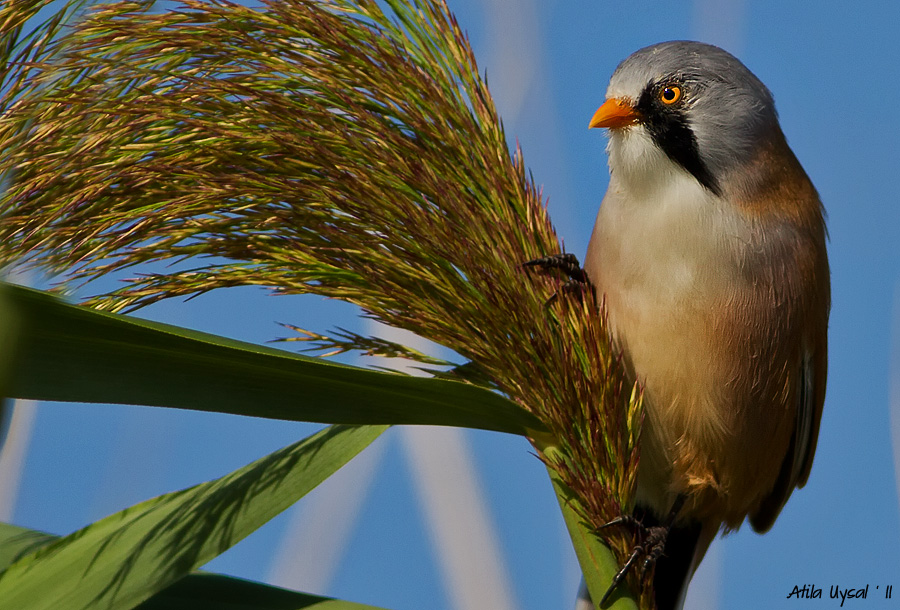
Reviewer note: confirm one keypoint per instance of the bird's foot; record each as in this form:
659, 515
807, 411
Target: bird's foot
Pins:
651, 544
568, 264
565, 262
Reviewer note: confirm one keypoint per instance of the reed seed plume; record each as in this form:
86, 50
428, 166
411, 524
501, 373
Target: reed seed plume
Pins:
343, 148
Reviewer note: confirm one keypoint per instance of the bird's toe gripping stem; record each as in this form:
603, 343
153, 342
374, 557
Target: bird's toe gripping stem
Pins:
568, 264
651, 544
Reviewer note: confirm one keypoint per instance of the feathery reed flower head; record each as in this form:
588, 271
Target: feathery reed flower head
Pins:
310, 146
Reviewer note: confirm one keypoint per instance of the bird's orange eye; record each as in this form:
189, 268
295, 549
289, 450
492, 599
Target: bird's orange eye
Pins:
670, 94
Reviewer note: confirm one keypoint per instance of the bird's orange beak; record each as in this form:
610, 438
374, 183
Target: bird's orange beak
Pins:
614, 113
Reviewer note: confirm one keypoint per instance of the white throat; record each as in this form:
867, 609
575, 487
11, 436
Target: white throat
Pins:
641, 168
664, 228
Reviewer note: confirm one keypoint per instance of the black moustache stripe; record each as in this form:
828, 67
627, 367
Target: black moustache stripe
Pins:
671, 130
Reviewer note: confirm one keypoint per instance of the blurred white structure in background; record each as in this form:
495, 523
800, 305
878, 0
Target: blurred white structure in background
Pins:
321, 525
456, 513
16, 424
458, 517
13, 452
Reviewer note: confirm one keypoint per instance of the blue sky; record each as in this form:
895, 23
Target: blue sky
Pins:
833, 68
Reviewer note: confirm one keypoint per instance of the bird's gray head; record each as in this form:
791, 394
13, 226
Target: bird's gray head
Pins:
700, 105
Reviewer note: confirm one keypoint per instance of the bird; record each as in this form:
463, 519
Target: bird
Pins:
709, 256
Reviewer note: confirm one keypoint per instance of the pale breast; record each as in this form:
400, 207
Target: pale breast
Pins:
666, 264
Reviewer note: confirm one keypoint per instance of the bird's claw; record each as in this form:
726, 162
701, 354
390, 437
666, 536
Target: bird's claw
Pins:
624, 520
568, 264
651, 545
565, 262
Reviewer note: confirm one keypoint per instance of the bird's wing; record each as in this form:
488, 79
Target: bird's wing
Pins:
811, 410
798, 460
